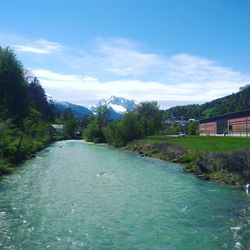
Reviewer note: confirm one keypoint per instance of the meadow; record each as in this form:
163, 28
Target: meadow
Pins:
203, 143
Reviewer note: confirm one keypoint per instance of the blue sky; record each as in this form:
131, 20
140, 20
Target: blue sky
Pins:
173, 51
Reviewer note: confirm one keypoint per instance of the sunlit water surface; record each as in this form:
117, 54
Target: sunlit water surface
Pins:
79, 196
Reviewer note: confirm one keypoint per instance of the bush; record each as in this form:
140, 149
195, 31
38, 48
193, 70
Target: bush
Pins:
94, 133
5, 167
121, 132
114, 134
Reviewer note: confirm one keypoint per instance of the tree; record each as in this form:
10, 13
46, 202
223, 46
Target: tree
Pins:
247, 86
37, 98
102, 116
114, 134
193, 128
174, 130
151, 117
13, 87
132, 127
70, 125
95, 129
127, 129
7, 146
94, 133
7, 139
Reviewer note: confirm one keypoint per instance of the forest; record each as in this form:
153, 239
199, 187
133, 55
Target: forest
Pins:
228, 104
25, 114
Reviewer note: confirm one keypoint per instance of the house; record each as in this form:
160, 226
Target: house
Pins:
233, 124
58, 128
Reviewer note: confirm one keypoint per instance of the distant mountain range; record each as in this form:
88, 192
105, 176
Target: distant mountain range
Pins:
77, 110
117, 107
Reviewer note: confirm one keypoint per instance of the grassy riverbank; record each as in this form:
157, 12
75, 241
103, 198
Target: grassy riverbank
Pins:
203, 143
222, 159
17, 147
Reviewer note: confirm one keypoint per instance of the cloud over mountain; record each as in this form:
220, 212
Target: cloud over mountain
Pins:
123, 67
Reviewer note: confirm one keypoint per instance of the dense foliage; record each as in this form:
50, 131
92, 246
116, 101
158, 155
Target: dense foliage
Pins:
121, 132
145, 120
37, 98
95, 129
71, 125
232, 103
151, 117
24, 113
13, 87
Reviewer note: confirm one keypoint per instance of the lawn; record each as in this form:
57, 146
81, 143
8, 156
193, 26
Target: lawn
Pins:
203, 143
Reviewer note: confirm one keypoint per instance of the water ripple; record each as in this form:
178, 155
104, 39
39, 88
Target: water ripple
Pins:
81, 196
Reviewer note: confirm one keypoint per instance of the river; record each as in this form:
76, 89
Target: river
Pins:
74, 195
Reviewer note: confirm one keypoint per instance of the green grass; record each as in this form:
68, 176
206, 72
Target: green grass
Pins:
203, 143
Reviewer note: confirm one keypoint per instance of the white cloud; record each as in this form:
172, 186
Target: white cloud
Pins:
29, 49
41, 46
185, 67
124, 58
134, 74
118, 66
53, 76
86, 90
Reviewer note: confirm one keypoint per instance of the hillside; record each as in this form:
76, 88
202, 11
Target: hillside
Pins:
231, 103
78, 111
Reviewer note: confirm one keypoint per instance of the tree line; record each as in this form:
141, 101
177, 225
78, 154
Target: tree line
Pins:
25, 114
145, 120
228, 104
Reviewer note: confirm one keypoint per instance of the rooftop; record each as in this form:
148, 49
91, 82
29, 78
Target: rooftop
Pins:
239, 114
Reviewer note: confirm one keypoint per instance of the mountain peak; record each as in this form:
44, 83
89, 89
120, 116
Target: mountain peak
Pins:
118, 104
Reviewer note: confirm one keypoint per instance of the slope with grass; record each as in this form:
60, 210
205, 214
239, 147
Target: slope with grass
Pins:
203, 143
222, 159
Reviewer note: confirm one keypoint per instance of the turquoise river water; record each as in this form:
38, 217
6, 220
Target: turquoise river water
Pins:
74, 195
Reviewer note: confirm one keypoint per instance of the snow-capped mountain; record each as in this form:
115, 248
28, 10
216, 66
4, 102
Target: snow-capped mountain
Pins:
77, 110
118, 104
117, 107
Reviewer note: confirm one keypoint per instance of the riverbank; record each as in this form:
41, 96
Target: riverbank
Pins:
20, 149
221, 161
10, 164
